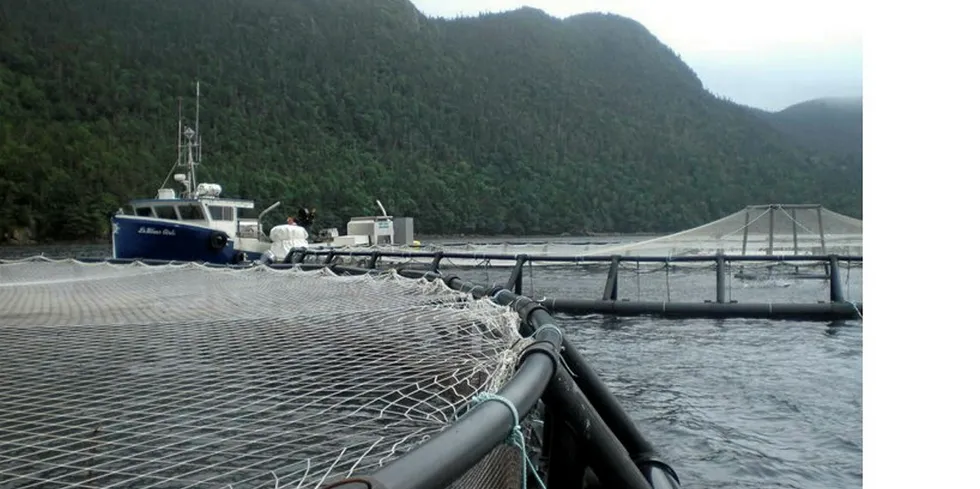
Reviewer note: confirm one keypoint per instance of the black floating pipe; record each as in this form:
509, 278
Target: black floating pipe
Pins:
612, 280
800, 311
516, 281
452, 281
611, 411
836, 292
349, 270
616, 465
592, 386
440, 460
566, 461
591, 259
439, 255
436, 260
326, 261
606, 451
477, 291
606, 455
720, 277
803, 311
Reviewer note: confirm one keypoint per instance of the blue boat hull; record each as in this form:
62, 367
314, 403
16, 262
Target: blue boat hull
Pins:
151, 239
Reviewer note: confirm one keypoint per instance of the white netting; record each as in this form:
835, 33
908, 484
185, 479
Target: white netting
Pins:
187, 376
477, 252
758, 230
787, 230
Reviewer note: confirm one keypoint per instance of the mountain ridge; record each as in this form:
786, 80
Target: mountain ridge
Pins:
499, 123
829, 125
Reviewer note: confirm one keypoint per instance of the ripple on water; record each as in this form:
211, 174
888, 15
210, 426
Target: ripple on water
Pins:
737, 403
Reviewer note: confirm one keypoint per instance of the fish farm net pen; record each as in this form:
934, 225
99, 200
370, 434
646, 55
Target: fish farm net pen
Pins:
193, 376
188, 375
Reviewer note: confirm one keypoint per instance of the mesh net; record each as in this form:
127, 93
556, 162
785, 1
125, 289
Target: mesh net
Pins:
758, 230
187, 376
787, 230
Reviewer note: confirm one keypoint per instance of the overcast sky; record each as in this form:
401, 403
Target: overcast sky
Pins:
763, 53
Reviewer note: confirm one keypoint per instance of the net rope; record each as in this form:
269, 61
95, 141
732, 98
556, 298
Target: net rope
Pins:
187, 376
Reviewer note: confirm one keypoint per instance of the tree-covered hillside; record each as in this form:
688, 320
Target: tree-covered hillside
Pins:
506, 123
828, 125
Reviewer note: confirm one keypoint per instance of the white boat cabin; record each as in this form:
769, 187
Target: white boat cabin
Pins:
210, 211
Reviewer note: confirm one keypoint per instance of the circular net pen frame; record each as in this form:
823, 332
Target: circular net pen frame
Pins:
118, 376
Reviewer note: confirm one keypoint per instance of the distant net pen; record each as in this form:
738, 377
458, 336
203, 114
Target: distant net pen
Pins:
771, 229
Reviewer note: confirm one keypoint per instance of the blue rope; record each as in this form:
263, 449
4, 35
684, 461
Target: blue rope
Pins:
515, 438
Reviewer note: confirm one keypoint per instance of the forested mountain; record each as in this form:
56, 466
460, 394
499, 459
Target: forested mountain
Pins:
828, 125
505, 123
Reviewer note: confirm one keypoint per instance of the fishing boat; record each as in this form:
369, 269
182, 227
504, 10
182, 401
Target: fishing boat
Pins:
198, 224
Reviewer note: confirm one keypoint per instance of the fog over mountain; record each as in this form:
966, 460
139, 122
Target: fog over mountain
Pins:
761, 53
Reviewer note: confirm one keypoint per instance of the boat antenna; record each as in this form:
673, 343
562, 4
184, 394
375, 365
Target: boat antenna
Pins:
197, 121
192, 142
180, 124
180, 129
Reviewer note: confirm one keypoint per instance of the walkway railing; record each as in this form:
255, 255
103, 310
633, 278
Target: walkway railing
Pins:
837, 308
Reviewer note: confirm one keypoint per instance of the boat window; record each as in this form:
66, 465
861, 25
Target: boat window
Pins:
144, 211
166, 211
222, 213
190, 212
248, 230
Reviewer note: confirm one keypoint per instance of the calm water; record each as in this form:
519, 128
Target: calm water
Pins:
733, 403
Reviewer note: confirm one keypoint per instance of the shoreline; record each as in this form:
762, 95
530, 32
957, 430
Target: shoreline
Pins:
419, 237
74, 242
534, 237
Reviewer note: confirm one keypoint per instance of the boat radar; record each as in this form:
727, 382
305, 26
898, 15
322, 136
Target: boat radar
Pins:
189, 155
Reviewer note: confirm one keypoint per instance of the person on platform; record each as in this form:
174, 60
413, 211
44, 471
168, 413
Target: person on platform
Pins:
284, 238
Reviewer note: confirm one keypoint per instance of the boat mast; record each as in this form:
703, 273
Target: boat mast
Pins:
197, 121
193, 141
180, 129
192, 145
